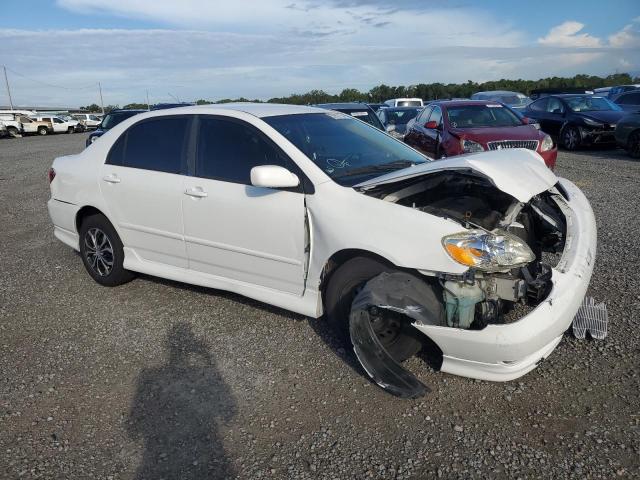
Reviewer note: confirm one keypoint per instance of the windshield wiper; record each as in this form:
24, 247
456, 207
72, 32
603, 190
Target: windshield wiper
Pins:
383, 167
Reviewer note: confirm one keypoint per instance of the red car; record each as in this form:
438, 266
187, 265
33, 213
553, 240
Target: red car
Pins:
448, 128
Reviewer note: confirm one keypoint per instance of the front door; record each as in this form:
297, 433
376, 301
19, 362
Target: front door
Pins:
232, 229
142, 184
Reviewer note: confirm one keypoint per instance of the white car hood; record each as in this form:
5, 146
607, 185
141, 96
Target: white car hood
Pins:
520, 173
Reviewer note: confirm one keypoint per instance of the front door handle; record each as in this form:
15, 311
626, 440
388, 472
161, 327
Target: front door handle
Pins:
113, 178
196, 192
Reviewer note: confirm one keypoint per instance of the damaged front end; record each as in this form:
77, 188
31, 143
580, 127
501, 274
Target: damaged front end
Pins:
513, 248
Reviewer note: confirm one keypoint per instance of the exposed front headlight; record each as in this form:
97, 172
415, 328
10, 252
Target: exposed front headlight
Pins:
488, 251
94, 138
547, 144
593, 123
469, 146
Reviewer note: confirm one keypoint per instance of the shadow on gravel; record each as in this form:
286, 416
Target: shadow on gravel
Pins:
176, 410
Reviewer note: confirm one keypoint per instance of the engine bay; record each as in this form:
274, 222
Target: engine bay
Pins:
479, 298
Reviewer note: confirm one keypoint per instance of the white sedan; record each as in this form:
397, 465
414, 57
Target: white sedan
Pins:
319, 213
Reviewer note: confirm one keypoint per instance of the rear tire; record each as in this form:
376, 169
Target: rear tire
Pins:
102, 252
571, 138
404, 341
633, 144
13, 132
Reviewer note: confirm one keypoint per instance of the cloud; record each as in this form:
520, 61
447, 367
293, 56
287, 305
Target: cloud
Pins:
277, 47
629, 36
568, 34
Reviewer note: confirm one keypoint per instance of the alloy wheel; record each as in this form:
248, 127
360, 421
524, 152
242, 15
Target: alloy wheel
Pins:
98, 251
570, 138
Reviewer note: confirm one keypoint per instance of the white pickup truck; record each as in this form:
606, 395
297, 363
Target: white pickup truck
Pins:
59, 125
18, 124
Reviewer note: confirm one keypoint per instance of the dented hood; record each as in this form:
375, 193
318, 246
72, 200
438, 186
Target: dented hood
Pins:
518, 172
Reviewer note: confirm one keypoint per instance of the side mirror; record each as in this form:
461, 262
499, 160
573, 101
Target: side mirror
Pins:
273, 176
526, 120
390, 128
432, 125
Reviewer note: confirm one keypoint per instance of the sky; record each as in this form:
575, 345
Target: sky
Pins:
56, 52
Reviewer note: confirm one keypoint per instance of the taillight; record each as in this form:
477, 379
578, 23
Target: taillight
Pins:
51, 174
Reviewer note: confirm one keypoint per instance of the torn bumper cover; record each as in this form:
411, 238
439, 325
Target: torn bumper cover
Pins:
508, 351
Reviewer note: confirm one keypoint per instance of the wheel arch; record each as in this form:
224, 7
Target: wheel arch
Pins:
86, 211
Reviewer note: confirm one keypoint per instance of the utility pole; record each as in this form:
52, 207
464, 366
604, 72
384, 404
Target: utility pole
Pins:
148, 106
101, 102
6, 81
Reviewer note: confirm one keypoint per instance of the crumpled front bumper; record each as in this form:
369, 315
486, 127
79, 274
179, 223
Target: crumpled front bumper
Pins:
505, 352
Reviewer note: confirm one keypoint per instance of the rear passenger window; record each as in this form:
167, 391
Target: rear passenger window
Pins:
157, 144
227, 150
540, 105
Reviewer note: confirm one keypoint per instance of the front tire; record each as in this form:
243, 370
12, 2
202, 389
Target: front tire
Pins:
102, 252
571, 138
633, 144
13, 132
396, 335
43, 131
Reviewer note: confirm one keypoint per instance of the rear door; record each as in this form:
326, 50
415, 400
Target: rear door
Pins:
232, 229
630, 102
142, 184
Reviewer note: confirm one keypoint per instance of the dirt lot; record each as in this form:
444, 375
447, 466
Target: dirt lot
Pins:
157, 379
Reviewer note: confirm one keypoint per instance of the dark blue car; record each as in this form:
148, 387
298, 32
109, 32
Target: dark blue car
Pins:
110, 120
576, 120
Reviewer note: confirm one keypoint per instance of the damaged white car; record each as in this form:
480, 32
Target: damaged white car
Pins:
486, 257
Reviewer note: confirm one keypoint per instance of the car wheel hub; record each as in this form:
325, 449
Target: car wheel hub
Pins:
98, 251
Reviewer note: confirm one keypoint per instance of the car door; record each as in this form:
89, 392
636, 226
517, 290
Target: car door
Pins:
554, 117
431, 137
629, 102
416, 133
236, 231
142, 185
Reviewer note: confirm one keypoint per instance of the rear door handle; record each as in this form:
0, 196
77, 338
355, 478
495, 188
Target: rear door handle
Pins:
196, 192
113, 178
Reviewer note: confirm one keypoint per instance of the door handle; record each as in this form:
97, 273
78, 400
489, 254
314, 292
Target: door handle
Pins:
111, 178
196, 192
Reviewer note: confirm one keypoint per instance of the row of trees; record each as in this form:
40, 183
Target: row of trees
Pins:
430, 91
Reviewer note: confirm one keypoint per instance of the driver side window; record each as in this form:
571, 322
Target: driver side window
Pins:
436, 116
424, 116
555, 106
227, 150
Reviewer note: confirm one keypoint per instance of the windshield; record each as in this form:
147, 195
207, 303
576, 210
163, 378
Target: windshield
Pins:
401, 117
364, 115
587, 103
408, 103
513, 100
474, 116
348, 151
113, 119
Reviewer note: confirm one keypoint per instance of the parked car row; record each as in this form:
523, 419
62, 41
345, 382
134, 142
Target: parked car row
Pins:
25, 122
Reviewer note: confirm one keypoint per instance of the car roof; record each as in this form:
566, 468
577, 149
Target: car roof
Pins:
399, 109
260, 110
457, 103
499, 92
344, 106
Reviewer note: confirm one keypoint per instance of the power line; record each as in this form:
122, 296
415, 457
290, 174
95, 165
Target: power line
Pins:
93, 85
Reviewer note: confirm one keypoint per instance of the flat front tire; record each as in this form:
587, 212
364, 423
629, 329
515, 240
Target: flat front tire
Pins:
396, 335
102, 252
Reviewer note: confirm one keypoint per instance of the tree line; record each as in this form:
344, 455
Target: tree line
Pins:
430, 91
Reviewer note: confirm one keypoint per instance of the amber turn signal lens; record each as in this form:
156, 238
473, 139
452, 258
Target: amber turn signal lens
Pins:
466, 256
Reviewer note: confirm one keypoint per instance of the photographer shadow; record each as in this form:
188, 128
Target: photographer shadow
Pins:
176, 410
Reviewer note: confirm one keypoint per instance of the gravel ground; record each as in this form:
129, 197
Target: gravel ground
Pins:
157, 379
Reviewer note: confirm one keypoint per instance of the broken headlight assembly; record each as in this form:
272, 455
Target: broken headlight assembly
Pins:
488, 251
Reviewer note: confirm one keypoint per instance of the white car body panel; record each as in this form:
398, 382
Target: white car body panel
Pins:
514, 171
252, 240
